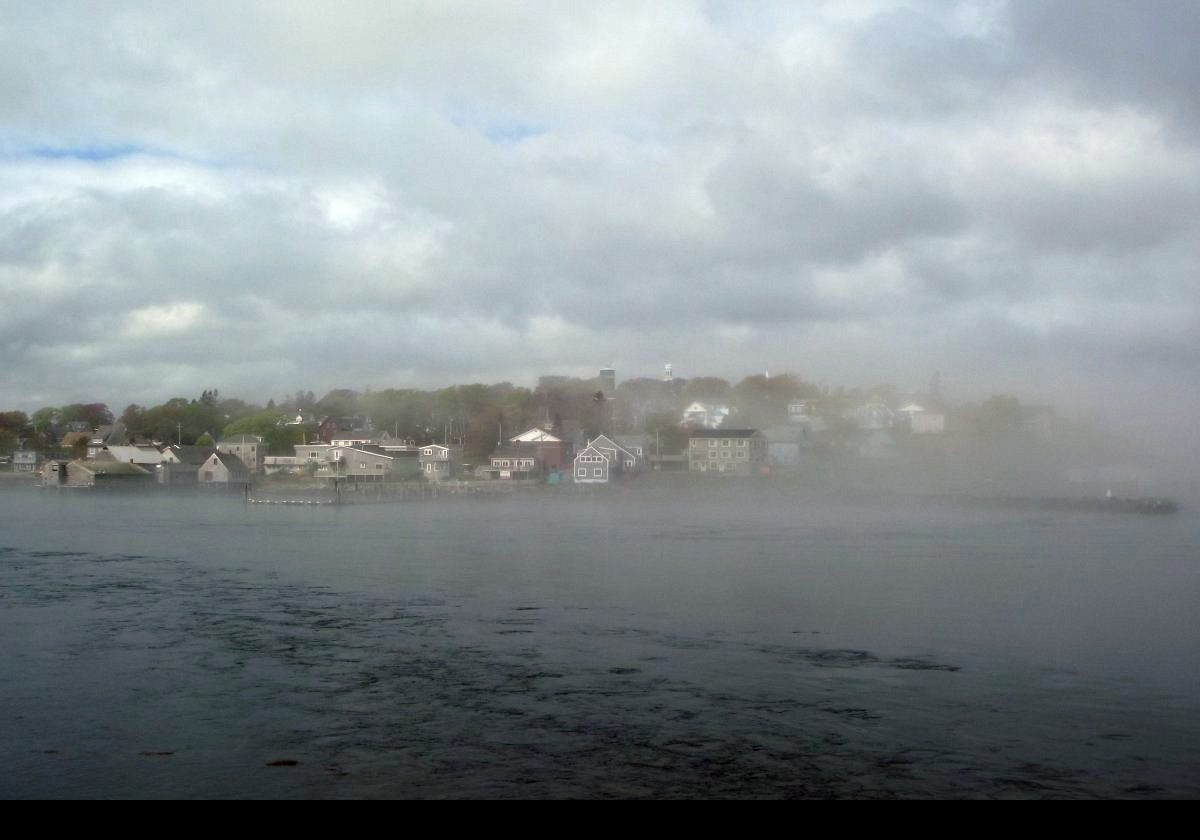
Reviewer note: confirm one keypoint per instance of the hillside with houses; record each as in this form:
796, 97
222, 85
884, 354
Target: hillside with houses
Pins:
568, 431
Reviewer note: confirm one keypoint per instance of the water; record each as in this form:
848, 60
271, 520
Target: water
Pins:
643, 642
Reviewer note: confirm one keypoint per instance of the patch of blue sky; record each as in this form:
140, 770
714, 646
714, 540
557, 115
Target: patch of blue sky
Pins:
90, 152
499, 129
508, 132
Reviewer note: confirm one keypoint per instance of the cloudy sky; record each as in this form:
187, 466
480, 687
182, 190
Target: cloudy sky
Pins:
261, 197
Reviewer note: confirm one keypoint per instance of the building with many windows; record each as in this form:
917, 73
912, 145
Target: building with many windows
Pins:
727, 452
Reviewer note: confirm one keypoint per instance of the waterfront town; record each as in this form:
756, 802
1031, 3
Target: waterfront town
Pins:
564, 431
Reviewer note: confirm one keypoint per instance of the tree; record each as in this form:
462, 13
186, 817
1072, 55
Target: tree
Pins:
707, 389
94, 415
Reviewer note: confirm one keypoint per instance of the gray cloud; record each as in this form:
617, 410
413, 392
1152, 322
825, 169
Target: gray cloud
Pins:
260, 197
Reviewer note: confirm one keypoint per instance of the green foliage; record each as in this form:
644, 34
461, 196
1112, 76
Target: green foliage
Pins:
707, 389
94, 414
761, 401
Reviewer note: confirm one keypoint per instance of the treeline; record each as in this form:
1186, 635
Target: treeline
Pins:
477, 416
480, 416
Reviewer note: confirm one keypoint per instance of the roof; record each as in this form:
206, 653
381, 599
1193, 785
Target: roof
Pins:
231, 462
195, 455
535, 435
724, 433
110, 468
368, 450
136, 454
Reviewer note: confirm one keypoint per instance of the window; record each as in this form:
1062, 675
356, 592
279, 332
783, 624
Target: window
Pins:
581, 472
741, 443
598, 472
712, 456
724, 454
712, 444
725, 443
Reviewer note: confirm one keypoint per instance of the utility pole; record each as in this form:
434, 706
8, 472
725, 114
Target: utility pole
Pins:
179, 434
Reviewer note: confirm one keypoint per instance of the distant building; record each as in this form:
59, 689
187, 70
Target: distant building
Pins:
439, 463
608, 381
248, 449
113, 435
222, 468
920, 421
740, 452
705, 415
146, 456
98, 474
517, 461
784, 444
358, 463
591, 466
871, 417
25, 461
552, 452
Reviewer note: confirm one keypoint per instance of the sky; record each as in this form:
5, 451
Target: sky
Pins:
263, 197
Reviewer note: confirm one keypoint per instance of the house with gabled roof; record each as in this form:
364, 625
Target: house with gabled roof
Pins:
439, 462
621, 458
248, 449
516, 461
592, 466
553, 453
222, 468
705, 416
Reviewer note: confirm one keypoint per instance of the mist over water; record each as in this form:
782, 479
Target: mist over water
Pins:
729, 640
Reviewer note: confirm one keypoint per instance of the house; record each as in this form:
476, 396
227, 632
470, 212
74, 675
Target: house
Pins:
25, 461
103, 474
273, 464
784, 444
142, 455
439, 463
740, 452
639, 445
871, 417
552, 452
920, 421
592, 466
705, 416
806, 413
517, 461
357, 463
248, 449
621, 458
106, 436
222, 468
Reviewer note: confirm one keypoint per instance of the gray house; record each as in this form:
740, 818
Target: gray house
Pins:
740, 452
222, 468
25, 461
592, 466
248, 449
439, 463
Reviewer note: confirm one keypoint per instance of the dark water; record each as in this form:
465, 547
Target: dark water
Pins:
636, 643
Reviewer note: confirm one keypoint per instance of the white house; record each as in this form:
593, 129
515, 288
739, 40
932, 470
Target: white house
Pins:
591, 466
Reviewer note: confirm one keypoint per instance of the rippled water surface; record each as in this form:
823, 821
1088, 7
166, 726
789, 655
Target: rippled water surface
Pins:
650, 641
